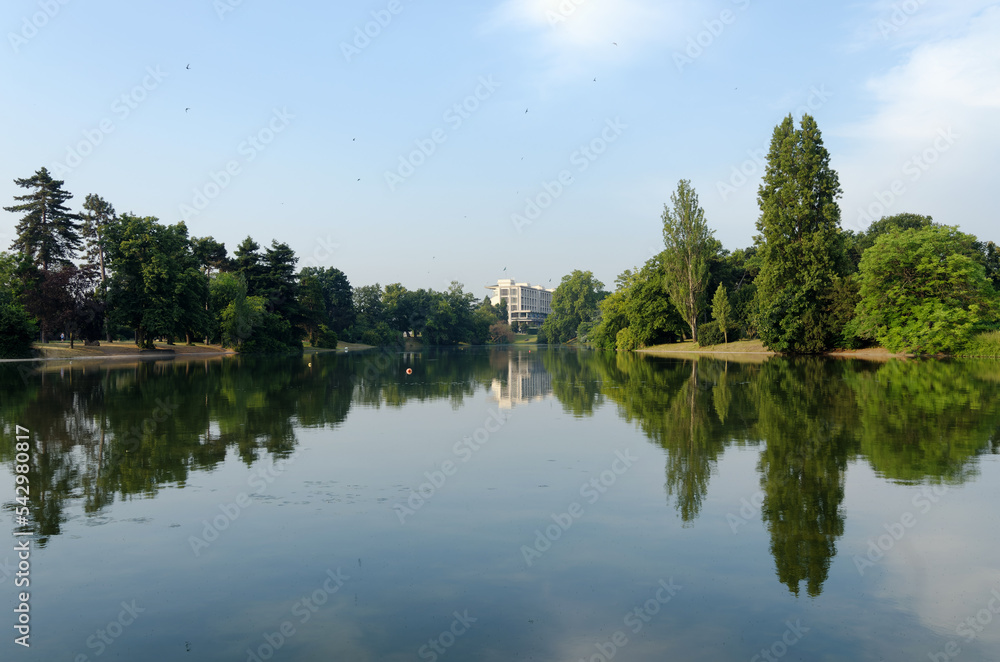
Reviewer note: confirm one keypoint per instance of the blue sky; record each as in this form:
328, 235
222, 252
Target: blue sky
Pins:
406, 155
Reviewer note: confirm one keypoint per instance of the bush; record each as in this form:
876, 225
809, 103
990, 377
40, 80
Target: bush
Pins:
709, 333
17, 329
379, 336
501, 334
626, 340
325, 338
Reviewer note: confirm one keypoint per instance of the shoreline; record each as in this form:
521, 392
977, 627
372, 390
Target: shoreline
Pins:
754, 350
59, 351
747, 350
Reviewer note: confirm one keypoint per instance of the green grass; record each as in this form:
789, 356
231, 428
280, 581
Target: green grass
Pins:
986, 343
526, 338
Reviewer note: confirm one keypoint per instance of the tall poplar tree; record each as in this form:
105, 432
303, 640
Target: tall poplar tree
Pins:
48, 233
689, 245
722, 312
801, 245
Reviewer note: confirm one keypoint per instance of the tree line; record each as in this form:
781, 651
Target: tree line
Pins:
805, 285
99, 275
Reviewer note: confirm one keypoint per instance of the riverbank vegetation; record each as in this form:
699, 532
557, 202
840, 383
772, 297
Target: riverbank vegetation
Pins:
99, 276
806, 285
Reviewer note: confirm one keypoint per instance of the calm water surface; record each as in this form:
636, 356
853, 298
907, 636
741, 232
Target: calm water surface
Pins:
504, 505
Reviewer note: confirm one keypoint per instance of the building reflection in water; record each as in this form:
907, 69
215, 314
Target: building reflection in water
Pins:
527, 380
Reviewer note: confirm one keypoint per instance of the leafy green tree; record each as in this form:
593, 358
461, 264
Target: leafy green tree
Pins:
463, 303
722, 311
17, 329
441, 321
371, 326
923, 291
738, 273
689, 246
639, 312
191, 296
156, 287
312, 306
844, 298
398, 306
574, 301
484, 318
239, 319
886, 225
368, 304
800, 244
48, 233
989, 256
337, 297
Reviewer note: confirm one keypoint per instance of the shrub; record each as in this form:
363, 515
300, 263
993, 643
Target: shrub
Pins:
325, 338
17, 329
500, 333
626, 340
709, 333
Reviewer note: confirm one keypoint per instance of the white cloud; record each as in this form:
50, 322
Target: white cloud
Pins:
572, 34
904, 23
949, 86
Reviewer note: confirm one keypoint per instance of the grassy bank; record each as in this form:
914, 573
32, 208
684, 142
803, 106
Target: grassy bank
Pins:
61, 350
754, 350
986, 344
690, 347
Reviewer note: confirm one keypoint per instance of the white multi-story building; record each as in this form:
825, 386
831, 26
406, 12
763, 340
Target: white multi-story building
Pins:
525, 302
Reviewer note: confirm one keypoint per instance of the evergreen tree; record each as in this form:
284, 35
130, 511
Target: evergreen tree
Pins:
337, 296
48, 233
248, 263
99, 213
689, 247
210, 255
280, 283
801, 246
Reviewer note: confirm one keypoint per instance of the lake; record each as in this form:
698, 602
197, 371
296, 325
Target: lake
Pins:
501, 504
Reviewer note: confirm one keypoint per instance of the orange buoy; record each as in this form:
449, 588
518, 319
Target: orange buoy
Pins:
409, 371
